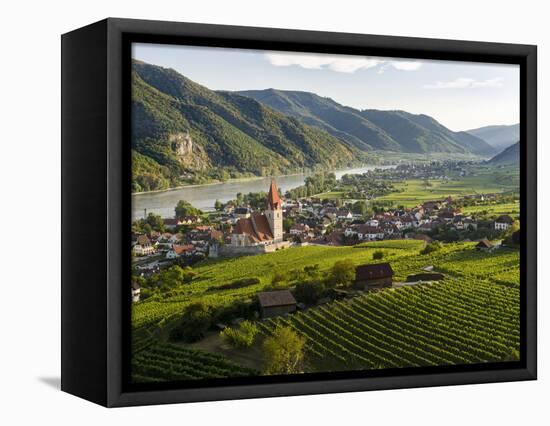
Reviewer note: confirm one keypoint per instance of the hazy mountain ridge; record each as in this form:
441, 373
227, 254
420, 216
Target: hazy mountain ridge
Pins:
372, 129
499, 137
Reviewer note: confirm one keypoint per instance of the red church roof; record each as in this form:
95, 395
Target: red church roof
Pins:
273, 199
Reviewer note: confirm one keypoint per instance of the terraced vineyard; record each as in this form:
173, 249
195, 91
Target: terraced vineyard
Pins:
168, 362
457, 321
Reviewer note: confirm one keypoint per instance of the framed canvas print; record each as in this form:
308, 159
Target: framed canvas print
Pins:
278, 212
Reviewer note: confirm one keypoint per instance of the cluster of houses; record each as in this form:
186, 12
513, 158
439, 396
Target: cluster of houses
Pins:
175, 245
241, 230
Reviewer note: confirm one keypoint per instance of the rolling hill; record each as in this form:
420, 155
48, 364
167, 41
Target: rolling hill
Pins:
499, 137
509, 156
183, 132
371, 129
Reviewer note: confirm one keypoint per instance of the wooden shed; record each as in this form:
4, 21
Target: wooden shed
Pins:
484, 245
274, 303
374, 276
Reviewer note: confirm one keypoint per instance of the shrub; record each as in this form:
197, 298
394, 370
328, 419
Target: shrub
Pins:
243, 282
280, 278
377, 255
432, 247
241, 337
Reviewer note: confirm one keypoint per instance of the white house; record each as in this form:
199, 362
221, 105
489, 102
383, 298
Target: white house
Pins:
143, 246
502, 223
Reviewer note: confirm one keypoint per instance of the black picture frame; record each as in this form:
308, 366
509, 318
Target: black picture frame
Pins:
96, 182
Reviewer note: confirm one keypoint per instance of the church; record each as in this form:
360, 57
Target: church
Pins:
262, 232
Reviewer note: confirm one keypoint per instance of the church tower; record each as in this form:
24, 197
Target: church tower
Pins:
274, 213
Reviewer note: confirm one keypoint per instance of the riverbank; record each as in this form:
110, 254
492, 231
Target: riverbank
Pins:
204, 196
252, 178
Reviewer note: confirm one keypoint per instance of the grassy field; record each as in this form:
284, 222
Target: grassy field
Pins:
511, 209
484, 181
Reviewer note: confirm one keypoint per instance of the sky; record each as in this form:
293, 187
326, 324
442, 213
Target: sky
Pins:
460, 95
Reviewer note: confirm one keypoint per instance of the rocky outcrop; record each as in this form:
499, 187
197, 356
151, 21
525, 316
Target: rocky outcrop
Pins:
189, 154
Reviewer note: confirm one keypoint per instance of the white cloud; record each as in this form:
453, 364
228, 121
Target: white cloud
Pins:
466, 83
406, 65
338, 63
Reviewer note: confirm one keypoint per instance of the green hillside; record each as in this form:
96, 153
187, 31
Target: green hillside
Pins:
509, 156
185, 133
472, 316
372, 129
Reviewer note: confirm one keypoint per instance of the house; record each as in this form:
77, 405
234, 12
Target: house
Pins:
136, 292
143, 246
366, 232
178, 251
502, 223
484, 245
299, 228
373, 276
171, 224
229, 208
274, 303
344, 214
241, 212
176, 238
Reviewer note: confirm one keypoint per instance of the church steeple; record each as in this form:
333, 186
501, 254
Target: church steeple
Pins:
274, 212
274, 201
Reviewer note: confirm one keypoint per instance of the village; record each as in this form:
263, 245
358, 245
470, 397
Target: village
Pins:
240, 229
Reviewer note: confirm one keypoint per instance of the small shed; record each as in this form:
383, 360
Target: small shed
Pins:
373, 276
425, 276
274, 303
484, 245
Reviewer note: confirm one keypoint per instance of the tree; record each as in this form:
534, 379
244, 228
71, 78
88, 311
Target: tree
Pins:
184, 208
173, 276
283, 352
343, 273
195, 321
309, 291
360, 207
156, 222
218, 205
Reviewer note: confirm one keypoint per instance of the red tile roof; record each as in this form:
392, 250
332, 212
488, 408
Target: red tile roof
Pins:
182, 249
256, 227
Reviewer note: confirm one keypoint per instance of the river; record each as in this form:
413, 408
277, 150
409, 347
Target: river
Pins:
204, 196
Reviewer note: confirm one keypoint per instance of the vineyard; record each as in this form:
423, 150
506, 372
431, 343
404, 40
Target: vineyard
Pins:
472, 316
457, 321
170, 362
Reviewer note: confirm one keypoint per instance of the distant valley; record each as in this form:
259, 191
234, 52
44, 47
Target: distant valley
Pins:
499, 137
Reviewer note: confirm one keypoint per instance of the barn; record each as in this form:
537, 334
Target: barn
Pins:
374, 276
274, 303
